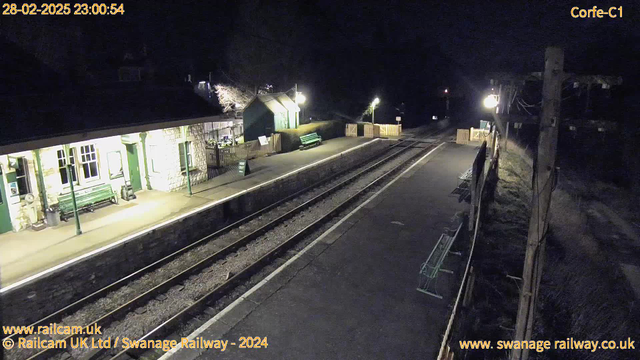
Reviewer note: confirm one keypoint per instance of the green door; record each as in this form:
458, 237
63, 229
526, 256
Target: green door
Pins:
134, 167
5, 217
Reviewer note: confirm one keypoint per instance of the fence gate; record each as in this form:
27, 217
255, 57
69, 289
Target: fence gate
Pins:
351, 130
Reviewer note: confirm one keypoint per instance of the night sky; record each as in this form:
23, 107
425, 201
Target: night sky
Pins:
341, 53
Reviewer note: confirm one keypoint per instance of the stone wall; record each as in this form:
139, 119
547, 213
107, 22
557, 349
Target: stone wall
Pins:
164, 153
40, 297
51, 170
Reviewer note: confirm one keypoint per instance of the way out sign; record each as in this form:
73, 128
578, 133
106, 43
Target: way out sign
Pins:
398, 118
243, 167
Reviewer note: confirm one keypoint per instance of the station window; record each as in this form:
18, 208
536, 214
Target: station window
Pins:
181, 151
89, 161
22, 176
62, 166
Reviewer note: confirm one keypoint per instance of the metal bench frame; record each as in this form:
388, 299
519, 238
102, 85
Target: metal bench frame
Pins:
428, 275
309, 140
463, 189
65, 213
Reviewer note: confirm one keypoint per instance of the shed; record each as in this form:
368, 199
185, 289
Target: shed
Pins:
269, 113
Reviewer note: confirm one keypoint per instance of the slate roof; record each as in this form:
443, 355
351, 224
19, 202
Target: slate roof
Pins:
276, 102
41, 116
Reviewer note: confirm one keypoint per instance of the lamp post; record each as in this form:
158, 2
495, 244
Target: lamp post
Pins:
490, 101
446, 95
375, 102
69, 168
185, 131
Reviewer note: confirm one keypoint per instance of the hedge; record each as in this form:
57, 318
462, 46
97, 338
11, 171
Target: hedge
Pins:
326, 129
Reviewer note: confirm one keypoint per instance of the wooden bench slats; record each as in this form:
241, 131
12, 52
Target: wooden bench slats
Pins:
433, 266
310, 139
85, 198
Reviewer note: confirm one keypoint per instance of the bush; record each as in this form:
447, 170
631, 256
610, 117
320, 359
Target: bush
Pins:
326, 129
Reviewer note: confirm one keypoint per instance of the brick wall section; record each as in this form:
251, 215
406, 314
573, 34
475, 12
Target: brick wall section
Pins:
36, 299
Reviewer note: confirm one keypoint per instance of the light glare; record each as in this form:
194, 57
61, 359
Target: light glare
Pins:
491, 101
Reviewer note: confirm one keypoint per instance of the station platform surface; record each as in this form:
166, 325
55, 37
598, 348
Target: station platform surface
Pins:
351, 294
26, 253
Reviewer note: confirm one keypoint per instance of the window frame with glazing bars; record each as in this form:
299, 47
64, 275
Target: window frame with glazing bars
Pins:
189, 156
23, 167
88, 156
62, 166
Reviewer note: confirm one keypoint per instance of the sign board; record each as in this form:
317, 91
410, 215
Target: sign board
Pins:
484, 125
517, 125
13, 189
398, 118
243, 167
263, 140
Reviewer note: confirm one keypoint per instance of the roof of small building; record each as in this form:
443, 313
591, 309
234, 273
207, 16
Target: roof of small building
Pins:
276, 102
34, 117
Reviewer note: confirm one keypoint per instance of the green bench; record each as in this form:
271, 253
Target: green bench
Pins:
86, 199
310, 140
428, 276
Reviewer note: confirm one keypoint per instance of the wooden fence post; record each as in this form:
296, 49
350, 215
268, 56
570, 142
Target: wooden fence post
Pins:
542, 188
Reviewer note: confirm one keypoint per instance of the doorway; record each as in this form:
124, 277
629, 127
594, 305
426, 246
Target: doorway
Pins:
5, 217
134, 167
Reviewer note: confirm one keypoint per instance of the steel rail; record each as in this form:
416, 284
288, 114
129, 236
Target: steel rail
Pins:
59, 314
255, 267
122, 310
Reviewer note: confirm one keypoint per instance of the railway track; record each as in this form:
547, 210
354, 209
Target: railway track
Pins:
280, 212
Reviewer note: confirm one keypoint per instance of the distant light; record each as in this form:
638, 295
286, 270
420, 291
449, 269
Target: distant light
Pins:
300, 99
491, 101
434, 117
375, 102
446, 91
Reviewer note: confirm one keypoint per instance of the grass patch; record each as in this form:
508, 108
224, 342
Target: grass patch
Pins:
584, 293
499, 252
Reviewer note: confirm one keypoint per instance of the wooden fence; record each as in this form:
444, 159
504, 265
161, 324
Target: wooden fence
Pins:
231, 155
351, 130
390, 130
377, 130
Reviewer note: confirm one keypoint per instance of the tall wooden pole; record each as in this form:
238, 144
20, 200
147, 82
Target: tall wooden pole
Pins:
543, 182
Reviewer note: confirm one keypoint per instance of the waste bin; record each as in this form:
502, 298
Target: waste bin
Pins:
52, 217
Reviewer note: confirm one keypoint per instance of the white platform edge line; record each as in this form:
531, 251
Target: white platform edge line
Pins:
177, 218
243, 297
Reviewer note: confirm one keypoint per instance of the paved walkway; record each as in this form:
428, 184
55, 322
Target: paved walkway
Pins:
353, 294
29, 252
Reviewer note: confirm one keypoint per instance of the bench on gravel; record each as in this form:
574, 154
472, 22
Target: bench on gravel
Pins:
86, 199
310, 140
428, 276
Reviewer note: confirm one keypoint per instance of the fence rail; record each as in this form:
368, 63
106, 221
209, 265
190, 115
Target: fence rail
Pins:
480, 173
231, 155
